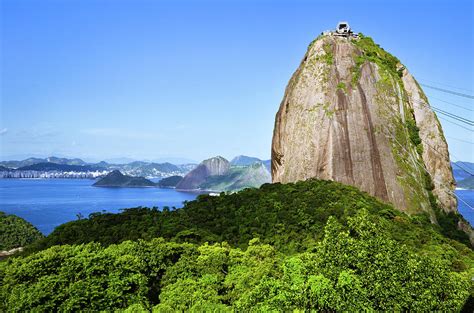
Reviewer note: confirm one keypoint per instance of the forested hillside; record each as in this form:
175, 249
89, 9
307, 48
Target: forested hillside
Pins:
16, 232
300, 246
354, 267
290, 216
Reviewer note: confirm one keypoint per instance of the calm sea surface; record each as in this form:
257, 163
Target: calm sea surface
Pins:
47, 203
467, 197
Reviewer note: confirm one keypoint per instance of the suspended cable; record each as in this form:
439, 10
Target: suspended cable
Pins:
451, 115
413, 101
450, 86
449, 91
424, 143
447, 188
423, 103
459, 198
454, 116
444, 119
436, 150
461, 140
428, 105
453, 104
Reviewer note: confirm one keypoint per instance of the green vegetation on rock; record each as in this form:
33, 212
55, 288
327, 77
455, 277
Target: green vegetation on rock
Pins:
16, 232
406, 133
405, 137
238, 177
117, 179
341, 86
170, 182
372, 52
328, 56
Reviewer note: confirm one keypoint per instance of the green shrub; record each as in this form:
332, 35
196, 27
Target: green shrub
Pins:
16, 232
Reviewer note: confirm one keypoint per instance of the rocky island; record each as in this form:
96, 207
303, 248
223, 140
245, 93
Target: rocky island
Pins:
117, 179
218, 174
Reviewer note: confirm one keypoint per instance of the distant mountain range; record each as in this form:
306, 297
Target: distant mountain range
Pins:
48, 166
54, 167
462, 170
214, 174
32, 161
218, 174
243, 160
463, 174
467, 183
237, 178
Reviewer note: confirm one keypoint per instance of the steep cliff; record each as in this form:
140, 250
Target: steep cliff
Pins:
239, 177
210, 167
353, 113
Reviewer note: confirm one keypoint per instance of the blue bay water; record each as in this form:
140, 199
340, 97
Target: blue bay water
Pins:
47, 203
465, 204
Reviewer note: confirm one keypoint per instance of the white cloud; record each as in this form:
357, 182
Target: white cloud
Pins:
3, 131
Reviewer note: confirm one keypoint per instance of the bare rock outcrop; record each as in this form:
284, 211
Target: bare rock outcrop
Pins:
210, 167
352, 113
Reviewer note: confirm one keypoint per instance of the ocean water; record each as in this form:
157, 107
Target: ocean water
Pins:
47, 203
466, 204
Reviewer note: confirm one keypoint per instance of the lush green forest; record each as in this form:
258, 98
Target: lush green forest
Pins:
313, 245
289, 216
16, 232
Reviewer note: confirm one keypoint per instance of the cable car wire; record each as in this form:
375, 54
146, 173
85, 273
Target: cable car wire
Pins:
454, 116
454, 123
446, 85
461, 140
449, 91
453, 104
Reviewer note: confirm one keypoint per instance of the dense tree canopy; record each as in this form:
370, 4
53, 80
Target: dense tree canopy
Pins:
16, 232
354, 267
314, 245
289, 216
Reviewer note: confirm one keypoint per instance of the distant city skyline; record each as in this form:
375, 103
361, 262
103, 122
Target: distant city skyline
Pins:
151, 80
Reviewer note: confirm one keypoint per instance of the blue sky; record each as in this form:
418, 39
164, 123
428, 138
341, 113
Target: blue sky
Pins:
155, 79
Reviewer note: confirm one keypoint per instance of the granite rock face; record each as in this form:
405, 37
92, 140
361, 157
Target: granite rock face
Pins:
210, 167
352, 113
435, 149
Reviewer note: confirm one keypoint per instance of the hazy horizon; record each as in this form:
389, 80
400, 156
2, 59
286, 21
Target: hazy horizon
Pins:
120, 160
